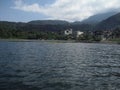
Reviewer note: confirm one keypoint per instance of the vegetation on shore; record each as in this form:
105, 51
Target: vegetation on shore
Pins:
88, 36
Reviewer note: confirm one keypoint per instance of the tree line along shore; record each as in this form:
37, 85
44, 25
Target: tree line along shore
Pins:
87, 36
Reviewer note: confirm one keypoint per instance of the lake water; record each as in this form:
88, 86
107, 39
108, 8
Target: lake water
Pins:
59, 66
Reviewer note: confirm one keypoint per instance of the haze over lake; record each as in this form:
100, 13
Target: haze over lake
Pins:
59, 66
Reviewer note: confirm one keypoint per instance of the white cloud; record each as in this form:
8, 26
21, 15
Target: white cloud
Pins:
20, 5
70, 10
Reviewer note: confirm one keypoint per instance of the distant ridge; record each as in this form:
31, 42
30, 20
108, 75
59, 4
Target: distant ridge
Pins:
110, 23
48, 22
98, 17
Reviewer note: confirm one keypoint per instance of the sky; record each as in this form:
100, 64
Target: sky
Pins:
70, 10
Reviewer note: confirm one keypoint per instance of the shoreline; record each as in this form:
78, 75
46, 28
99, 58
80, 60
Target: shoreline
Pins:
38, 40
57, 41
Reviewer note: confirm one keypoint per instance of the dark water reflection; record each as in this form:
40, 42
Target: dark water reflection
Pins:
59, 66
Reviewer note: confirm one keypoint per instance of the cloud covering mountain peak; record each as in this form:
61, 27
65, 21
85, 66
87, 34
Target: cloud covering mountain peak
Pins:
70, 10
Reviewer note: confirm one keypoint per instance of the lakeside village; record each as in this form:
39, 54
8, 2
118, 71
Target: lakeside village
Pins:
106, 35
66, 34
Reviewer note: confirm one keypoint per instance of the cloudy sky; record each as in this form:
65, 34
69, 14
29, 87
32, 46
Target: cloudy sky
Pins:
70, 10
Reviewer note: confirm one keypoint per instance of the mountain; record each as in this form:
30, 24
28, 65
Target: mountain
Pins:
48, 22
59, 25
98, 17
110, 23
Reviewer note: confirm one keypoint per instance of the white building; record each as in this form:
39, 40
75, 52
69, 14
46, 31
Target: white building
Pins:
79, 33
68, 32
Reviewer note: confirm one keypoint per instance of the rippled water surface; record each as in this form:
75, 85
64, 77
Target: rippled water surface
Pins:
59, 66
